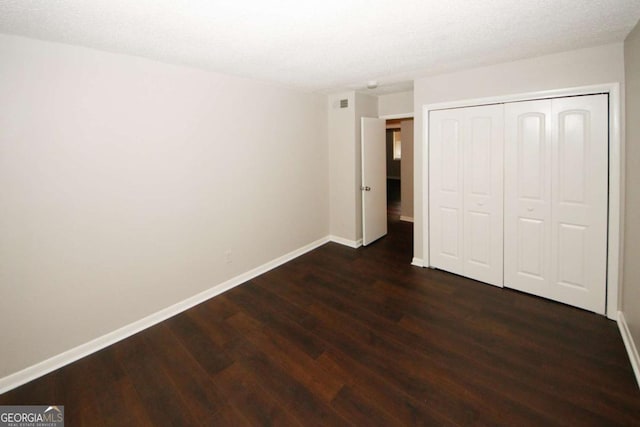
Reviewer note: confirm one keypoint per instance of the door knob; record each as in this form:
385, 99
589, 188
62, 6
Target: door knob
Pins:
365, 188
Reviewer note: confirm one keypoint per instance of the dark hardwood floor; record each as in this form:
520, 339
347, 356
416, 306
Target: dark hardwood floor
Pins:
356, 337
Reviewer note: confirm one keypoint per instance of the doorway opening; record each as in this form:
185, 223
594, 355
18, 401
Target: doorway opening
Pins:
394, 157
379, 169
399, 160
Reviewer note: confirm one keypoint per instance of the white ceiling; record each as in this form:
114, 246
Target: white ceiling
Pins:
326, 45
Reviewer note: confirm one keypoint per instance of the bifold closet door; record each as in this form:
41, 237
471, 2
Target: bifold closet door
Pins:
466, 192
556, 173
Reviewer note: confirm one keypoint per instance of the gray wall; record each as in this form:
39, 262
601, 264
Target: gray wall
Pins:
119, 198
345, 163
396, 104
406, 189
631, 266
342, 166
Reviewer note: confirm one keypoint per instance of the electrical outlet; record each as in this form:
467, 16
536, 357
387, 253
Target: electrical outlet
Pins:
227, 257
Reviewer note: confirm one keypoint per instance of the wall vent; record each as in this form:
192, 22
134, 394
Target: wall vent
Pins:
344, 103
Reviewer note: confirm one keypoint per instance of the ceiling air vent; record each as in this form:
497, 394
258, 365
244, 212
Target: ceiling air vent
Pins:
344, 103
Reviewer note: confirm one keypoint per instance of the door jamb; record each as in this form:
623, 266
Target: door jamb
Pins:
616, 173
397, 116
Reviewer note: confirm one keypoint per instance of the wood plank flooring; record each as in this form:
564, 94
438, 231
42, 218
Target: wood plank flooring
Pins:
356, 337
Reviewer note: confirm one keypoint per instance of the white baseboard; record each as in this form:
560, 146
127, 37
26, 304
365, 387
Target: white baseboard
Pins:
630, 345
346, 242
418, 262
406, 218
42, 368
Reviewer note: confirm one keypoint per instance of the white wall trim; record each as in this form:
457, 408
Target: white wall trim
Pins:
346, 242
418, 262
616, 170
406, 218
396, 116
42, 368
630, 345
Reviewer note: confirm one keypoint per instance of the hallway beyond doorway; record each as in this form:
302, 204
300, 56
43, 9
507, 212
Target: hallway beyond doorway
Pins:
393, 200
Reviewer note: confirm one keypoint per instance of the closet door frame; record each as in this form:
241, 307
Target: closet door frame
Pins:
616, 170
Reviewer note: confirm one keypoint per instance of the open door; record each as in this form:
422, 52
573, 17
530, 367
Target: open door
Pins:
374, 180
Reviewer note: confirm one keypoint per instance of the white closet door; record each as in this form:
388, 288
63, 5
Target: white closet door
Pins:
483, 194
466, 192
527, 179
579, 171
556, 199
446, 128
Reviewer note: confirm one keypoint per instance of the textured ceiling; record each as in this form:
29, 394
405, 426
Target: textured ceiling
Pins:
325, 45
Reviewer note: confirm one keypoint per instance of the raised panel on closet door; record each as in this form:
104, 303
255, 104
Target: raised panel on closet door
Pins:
483, 191
579, 169
446, 189
527, 191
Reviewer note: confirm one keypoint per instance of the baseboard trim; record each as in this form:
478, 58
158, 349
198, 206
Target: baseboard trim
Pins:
406, 218
630, 345
418, 262
355, 244
42, 368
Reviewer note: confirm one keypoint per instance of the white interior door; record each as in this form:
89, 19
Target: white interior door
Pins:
556, 199
374, 179
465, 192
